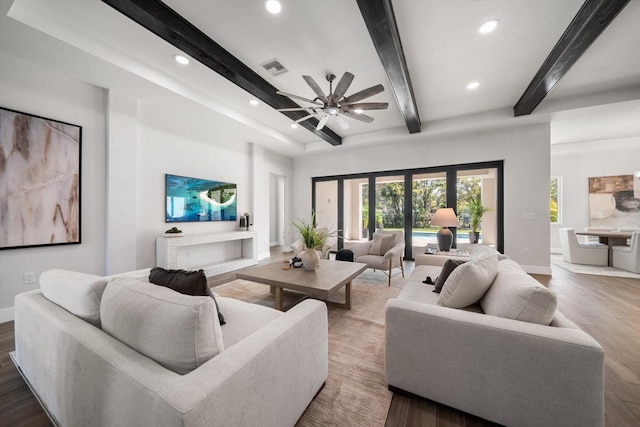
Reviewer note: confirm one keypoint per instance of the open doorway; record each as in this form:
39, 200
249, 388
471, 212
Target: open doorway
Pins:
276, 210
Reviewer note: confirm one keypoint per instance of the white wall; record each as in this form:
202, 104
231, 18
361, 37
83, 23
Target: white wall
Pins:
32, 89
575, 164
525, 151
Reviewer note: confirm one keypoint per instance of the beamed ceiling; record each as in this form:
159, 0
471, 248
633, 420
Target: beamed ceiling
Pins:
546, 61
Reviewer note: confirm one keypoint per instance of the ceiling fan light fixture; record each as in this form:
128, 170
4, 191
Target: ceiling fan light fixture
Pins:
273, 6
181, 59
358, 111
488, 26
473, 85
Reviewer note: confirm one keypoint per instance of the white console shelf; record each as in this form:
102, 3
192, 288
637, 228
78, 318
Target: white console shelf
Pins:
167, 250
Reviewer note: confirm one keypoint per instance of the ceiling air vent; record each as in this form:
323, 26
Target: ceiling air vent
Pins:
274, 67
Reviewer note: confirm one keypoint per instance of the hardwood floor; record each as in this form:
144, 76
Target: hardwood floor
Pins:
608, 308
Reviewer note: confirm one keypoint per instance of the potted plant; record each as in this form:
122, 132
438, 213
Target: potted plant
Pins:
314, 240
476, 211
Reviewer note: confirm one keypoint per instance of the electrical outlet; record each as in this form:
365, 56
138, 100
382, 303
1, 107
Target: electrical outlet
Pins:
29, 278
526, 251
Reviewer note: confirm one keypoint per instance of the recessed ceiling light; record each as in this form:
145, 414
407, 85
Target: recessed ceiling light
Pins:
294, 126
488, 26
473, 85
181, 59
254, 102
273, 6
358, 111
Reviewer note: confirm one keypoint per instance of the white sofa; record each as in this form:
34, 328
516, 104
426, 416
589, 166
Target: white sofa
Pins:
269, 367
513, 372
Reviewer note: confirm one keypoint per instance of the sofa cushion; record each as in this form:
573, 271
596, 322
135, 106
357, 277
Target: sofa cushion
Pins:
78, 293
382, 243
192, 283
516, 295
180, 332
419, 292
447, 269
469, 282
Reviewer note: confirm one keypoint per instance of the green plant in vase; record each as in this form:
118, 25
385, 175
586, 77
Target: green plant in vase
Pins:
314, 240
476, 212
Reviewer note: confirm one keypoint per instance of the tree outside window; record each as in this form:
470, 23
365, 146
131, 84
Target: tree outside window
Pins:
554, 202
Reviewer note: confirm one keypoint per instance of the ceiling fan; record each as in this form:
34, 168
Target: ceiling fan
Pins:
336, 104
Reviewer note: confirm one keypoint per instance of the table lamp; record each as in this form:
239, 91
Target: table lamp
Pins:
445, 217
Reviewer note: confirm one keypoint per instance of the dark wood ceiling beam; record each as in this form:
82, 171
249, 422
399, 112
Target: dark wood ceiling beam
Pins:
164, 22
590, 21
381, 22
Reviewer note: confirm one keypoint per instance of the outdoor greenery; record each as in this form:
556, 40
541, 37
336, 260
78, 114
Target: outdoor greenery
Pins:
553, 202
427, 196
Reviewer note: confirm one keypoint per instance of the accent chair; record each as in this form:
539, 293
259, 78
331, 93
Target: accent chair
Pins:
582, 253
376, 255
628, 257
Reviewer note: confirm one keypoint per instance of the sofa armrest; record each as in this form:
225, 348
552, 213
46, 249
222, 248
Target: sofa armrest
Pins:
503, 370
281, 367
361, 249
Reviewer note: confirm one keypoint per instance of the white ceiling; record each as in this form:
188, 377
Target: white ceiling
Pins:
599, 98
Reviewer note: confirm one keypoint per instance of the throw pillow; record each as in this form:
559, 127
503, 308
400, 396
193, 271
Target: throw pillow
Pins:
192, 283
382, 243
447, 269
177, 331
78, 293
469, 282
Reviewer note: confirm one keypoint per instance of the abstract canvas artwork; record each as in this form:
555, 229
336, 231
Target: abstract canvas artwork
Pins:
614, 201
39, 181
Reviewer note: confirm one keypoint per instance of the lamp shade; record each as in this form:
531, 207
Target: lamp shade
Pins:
445, 217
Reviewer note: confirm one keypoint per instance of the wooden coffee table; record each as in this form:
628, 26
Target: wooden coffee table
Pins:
322, 283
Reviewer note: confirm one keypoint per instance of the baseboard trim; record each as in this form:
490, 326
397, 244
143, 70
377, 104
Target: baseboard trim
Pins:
556, 250
7, 314
536, 269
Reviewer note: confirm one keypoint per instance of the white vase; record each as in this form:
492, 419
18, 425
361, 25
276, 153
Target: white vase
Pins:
310, 259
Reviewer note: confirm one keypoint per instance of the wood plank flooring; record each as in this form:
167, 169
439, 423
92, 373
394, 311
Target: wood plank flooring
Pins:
608, 308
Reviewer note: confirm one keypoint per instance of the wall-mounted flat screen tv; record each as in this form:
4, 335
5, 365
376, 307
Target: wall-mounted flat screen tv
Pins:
195, 200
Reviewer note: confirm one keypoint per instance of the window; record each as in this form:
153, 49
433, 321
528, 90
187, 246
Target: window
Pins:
555, 213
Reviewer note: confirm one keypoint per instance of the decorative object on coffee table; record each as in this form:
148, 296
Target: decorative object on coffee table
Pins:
445, 217
476, 211
314, 239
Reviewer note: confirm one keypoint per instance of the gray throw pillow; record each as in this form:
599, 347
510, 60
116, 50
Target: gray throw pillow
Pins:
382, 243
192, 283
447, 268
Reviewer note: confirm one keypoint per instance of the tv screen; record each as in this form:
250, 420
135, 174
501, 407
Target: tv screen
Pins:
194, 200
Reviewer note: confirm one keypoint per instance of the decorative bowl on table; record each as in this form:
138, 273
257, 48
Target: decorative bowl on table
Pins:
173, 232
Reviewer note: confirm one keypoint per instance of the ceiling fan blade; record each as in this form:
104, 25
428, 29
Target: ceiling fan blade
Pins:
314, 86
295, 109
322, 122
342, 122
367, 106
304, 118
366, 93
297, 97
361, 117
343, 85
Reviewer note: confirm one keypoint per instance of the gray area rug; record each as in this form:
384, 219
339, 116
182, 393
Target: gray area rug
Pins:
591, 269
355, 393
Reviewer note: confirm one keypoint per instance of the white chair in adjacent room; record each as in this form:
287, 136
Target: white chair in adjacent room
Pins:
582, 253
628, 257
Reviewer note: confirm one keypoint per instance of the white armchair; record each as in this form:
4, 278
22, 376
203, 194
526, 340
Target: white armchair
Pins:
628, 257
386, 262
582, 253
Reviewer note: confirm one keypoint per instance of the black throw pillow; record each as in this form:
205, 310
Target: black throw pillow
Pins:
447, 268
192, 283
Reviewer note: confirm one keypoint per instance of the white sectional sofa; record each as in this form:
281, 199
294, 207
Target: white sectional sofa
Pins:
483, 361
269, 365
